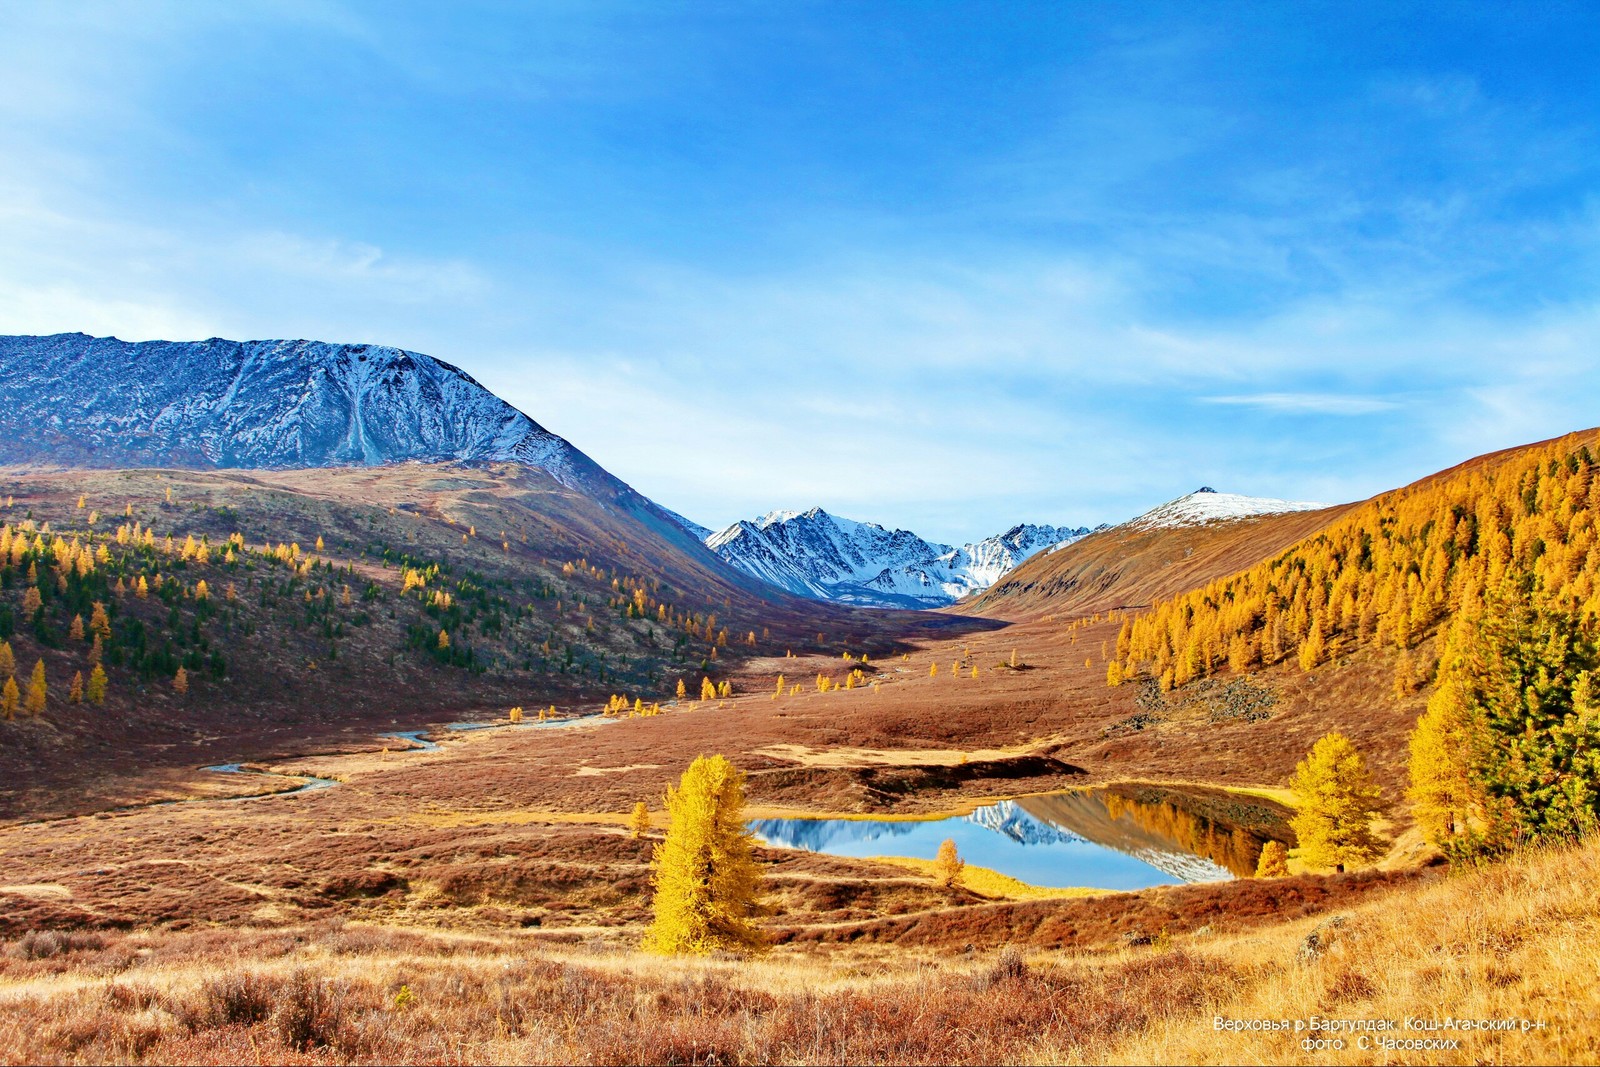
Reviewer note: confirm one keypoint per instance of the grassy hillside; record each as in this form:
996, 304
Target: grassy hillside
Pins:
306, 608
1509, 943
1389, 573
1126, 568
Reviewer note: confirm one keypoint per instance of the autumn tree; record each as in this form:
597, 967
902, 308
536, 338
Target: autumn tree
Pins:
706, 878
8, 659
99, 621
1335, 801
75, 690
1508, 750
640, 823
37, 690
97, 685
10, 697
180, 682
683, 690
1274, 862
948, 864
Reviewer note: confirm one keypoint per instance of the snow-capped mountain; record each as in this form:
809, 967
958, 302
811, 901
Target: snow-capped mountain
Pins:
818, 555
1023, 827
99, 401
1207, 505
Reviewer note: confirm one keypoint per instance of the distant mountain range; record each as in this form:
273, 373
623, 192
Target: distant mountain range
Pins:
818, 555
80, 401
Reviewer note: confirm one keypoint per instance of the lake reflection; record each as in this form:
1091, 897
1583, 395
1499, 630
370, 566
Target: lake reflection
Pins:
1089, 838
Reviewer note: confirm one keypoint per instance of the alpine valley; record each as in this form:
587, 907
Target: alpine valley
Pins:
340, 702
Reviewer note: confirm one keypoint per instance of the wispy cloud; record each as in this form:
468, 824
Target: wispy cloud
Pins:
1049, 269
1306, 403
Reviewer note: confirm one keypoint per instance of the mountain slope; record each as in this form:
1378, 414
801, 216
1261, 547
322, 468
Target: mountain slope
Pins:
818, 555
78, 401
101, 402
1170, 549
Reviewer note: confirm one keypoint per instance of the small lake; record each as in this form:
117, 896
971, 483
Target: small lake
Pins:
1091, 838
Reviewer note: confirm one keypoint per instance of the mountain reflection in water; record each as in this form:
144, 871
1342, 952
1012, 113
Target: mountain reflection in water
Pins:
1091, 838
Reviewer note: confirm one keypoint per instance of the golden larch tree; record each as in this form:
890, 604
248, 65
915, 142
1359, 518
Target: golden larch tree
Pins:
10, 697
75, 690
948, 864
97, 685
706, 878
37, 690
180, 682
640, 822
1335, 801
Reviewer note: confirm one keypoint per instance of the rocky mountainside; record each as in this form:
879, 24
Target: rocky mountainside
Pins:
73, 400
822, 556
101, 402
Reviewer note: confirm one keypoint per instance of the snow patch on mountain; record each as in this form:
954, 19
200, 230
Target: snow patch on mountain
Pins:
700, 532
825, 557
103, 402
1207, 505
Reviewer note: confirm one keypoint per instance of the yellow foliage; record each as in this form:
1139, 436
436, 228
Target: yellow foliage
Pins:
706, 878
1274, 862
1394, 569
37, 691
1335, 801
947, 865
640, 823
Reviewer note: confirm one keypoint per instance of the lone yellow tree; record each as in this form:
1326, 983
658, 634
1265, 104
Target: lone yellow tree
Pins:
948, 864
640, 823
9, 698
706, 878
180, 682
97, 685
1335, 800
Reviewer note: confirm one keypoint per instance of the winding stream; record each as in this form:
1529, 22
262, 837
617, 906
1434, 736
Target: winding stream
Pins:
418, 743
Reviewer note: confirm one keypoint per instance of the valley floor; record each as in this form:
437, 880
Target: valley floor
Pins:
1507, 949
481, 902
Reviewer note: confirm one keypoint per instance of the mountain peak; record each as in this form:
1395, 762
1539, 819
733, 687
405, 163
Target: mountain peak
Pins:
103, 402
1207, 505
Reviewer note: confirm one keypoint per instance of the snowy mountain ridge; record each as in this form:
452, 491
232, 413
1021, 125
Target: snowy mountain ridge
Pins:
818, 555
1207, 505
103, 402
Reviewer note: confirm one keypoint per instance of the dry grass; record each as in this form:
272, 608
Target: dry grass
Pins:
1510, 942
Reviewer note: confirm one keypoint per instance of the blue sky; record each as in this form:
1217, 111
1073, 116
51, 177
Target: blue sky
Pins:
944, 266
